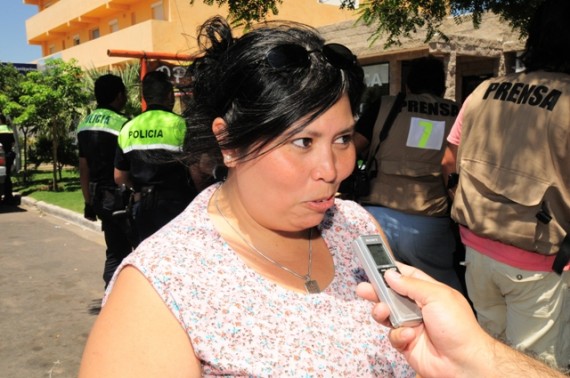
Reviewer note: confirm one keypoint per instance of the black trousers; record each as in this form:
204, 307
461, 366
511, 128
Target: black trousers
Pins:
10, 157
116, 230
118, 246
151, 217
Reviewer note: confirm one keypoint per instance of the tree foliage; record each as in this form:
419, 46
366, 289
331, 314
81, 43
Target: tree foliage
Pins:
41, 152
10, 92
396, 19
52, 99
10, 80
130, 74
247, 12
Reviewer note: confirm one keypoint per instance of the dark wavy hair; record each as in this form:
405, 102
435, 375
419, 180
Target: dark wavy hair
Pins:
259, 103
548, 44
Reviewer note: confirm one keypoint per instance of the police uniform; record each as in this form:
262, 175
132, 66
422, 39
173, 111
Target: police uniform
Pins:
407, 195
147, 149
7, 140
97, 138
513, 200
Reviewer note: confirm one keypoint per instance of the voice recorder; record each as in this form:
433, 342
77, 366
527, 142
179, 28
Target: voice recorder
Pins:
376, 260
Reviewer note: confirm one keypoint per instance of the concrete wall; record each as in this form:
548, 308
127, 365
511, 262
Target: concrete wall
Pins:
468, 52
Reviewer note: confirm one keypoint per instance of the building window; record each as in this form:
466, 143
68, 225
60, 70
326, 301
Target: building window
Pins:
113, 26
51, 49
377, 79
76, 40
94, 33
133, 18
157, 11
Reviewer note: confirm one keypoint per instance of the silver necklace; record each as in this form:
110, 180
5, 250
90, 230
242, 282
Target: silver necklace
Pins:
311, 285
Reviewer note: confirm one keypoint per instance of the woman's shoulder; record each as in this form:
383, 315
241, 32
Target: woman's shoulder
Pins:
348, 214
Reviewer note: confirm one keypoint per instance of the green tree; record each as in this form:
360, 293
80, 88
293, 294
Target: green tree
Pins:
41, 152
10, 92
51, 99
395, 19
10, 80
130, 74
246, 12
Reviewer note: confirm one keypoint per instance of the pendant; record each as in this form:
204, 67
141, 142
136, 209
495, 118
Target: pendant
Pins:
312, 287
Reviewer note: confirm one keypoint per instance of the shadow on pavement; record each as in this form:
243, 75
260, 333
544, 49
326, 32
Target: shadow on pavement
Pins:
95, 307
11, 209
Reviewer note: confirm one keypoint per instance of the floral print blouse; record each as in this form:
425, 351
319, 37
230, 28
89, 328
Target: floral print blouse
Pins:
241, 324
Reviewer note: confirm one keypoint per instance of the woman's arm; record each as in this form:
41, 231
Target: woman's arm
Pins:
136, 335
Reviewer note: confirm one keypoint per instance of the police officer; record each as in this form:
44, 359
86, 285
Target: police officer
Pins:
148, 159
510, 146
97, 139
408, 196
7, 140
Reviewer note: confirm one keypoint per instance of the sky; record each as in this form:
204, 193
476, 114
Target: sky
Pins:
14, 47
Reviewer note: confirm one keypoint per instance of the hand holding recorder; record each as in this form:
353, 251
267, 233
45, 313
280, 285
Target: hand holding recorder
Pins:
376, 259
449, 342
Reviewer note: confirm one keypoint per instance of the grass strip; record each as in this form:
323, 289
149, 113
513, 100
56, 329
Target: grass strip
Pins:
38, 186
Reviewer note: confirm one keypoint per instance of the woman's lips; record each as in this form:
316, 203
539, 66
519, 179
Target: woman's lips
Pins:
321, 205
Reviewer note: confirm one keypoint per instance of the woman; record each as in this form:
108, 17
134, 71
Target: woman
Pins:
256, 277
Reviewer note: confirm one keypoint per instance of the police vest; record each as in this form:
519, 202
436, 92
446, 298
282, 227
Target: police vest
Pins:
6, 138
409, 175
5, 129
514, 161
153, 130
103, 120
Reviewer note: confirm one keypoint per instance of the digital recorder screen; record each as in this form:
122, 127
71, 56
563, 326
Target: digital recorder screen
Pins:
379, 254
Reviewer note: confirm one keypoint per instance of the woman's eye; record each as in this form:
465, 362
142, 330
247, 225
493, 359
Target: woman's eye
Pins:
344, 139
303, 142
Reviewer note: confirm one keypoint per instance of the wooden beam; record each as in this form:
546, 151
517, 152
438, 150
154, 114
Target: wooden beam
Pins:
149, 55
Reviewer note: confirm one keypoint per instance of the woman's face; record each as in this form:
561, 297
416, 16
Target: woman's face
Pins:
290, 187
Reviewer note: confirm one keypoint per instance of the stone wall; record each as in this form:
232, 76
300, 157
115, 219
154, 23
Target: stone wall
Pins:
468, 51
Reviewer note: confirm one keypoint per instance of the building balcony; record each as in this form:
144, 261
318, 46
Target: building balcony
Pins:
146, 36
67, 16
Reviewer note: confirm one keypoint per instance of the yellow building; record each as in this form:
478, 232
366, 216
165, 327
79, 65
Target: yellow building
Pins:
86, 29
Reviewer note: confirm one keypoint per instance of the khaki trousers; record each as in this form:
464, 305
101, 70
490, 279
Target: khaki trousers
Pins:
528, 310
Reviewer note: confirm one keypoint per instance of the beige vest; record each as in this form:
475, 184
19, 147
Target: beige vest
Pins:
514, 161
409, 175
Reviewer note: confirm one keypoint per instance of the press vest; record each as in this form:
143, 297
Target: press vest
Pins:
5, 129
514, 161
409, 175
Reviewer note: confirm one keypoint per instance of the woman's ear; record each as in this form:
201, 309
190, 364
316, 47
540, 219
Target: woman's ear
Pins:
219, 129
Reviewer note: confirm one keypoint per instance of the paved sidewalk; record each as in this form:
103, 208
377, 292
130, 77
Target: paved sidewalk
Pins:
60, 212
50, 289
